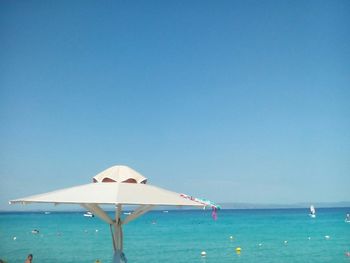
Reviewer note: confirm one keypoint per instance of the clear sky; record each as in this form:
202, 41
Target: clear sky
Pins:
235, 101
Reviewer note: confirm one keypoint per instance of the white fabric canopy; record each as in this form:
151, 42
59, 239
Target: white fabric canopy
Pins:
120, 174
110, 193
117, 185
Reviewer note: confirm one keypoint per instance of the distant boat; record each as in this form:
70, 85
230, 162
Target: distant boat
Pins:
347, 218
127, 213
88, 214
47, 213
165, 211
312, 212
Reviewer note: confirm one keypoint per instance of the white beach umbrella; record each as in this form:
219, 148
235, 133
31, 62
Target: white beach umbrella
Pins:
118, 185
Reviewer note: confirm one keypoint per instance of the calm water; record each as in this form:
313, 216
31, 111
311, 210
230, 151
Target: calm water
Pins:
180, 236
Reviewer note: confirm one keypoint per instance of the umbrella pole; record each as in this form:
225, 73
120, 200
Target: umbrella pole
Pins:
117, 236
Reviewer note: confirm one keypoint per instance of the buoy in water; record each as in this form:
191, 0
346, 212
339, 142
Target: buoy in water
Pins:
14, 238
231, 237
260, 244
327, 237
238, 250
286, 242
203, 254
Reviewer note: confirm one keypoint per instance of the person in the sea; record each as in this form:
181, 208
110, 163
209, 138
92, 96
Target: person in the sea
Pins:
29, 259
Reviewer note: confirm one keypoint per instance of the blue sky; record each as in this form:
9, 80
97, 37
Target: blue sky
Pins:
236, 101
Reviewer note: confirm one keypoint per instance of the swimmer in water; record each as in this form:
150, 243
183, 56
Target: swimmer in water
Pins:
29, 259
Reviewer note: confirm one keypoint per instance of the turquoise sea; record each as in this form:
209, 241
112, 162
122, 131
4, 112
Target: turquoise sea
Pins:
181, 236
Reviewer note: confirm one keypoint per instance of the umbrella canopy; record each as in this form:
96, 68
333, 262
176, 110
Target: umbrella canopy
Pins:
118, 186
121, 174
111, 193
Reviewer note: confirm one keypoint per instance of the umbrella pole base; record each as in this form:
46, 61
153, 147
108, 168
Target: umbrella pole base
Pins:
119, 257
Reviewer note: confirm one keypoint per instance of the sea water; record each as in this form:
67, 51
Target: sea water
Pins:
283, 235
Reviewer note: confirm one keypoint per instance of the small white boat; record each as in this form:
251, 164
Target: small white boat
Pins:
165, 211
312, 212
127, 213
347, 219
47, 213
35, 231
88, 214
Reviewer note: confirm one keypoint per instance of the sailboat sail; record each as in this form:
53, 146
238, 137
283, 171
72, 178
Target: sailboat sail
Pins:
312, 210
